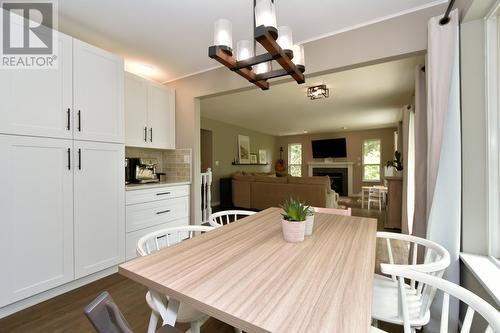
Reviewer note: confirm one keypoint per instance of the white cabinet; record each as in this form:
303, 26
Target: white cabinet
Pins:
99, 212
36, 216
161, 117
81, 99
149, 114
152, 209
98, 94
39, 102
136, 105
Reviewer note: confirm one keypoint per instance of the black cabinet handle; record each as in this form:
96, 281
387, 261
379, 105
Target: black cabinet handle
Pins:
163, 193
79, 121
163, 212
145, 134
68, 122
151, 134
69, 158
79, 159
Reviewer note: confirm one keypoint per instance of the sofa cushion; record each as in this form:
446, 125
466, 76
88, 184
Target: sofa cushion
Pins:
243, 177
315, 180
268, 179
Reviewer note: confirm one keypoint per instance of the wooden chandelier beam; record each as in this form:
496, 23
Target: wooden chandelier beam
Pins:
224, 56
266, 39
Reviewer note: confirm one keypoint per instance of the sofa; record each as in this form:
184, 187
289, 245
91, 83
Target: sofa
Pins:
261, 191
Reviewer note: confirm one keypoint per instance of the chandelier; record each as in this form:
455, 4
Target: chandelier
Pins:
277, 41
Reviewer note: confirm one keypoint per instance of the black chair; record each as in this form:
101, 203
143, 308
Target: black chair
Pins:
106, 317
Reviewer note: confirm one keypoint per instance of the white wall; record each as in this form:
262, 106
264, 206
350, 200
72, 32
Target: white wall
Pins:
393, 38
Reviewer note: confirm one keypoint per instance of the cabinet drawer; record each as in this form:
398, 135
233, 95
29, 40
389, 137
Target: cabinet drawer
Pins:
156, 194
133, 237
148, 214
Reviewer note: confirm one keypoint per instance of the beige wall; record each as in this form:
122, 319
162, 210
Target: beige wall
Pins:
354, 141
393, 38
225, 150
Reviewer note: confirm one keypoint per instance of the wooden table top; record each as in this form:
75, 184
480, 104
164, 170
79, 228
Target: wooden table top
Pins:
246, 275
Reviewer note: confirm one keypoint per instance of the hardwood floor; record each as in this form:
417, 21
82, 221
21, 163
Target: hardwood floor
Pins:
65, 312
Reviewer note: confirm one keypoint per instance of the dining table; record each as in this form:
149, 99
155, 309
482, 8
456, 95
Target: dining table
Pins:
246, 275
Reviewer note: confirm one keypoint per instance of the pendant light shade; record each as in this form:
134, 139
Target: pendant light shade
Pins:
223, 33
244, 50
298, 55
263, 67
265, 13
285, 39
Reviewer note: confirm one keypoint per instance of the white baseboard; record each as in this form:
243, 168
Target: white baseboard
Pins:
38, 298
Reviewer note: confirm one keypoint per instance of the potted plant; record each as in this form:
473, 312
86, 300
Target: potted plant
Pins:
293, 221
309, 222
396, 163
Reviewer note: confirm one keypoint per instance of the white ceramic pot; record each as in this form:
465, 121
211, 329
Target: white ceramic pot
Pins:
293, 232
309, 225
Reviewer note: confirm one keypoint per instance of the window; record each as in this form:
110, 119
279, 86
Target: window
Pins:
295, 159
371, 160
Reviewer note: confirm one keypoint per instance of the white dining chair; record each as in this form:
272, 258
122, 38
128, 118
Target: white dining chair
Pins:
224, 217
156, 241
386, 295
433, 285
375, 197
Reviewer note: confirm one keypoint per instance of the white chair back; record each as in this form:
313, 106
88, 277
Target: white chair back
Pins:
160, 239
437, 259
333, 211
226, 216
473, 302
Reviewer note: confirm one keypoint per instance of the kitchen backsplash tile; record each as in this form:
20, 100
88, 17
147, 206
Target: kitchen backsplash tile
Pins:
176, 163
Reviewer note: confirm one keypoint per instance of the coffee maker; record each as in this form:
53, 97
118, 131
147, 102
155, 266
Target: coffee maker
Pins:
142, 170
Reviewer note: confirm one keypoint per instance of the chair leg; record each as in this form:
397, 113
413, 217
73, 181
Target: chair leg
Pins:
195, 327
153, 322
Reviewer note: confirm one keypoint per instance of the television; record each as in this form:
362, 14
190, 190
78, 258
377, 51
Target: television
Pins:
329, 148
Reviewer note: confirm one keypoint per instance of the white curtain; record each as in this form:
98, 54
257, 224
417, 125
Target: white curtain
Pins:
420, 214
410, 173
444, 150
408, 170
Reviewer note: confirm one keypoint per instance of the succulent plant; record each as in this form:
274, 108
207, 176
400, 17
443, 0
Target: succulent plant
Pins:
294, 210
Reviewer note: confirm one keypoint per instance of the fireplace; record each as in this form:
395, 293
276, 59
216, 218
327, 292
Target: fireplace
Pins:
338, 178
340, 174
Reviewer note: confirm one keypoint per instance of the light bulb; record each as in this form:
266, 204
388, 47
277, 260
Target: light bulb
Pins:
265, 13
223, 34
285, 39
244, 50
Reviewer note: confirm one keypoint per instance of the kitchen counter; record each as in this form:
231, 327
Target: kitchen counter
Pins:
135, 186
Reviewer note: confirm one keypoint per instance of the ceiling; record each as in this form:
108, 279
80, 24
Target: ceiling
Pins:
361, 98
168, 39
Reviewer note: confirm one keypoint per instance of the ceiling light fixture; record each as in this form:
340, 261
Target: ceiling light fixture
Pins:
277, 41
317, 92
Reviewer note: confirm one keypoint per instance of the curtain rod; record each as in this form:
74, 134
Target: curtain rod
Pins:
446, 17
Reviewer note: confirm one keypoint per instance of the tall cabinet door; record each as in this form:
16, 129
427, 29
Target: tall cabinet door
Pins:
99, 206
36, 216
38, 102
98, 94
136, 106
161, 117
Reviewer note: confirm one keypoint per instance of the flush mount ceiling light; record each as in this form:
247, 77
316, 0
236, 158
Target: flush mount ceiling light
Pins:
277, 41
317, 92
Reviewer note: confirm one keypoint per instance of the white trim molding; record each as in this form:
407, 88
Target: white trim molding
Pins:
492, 29
326, 165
